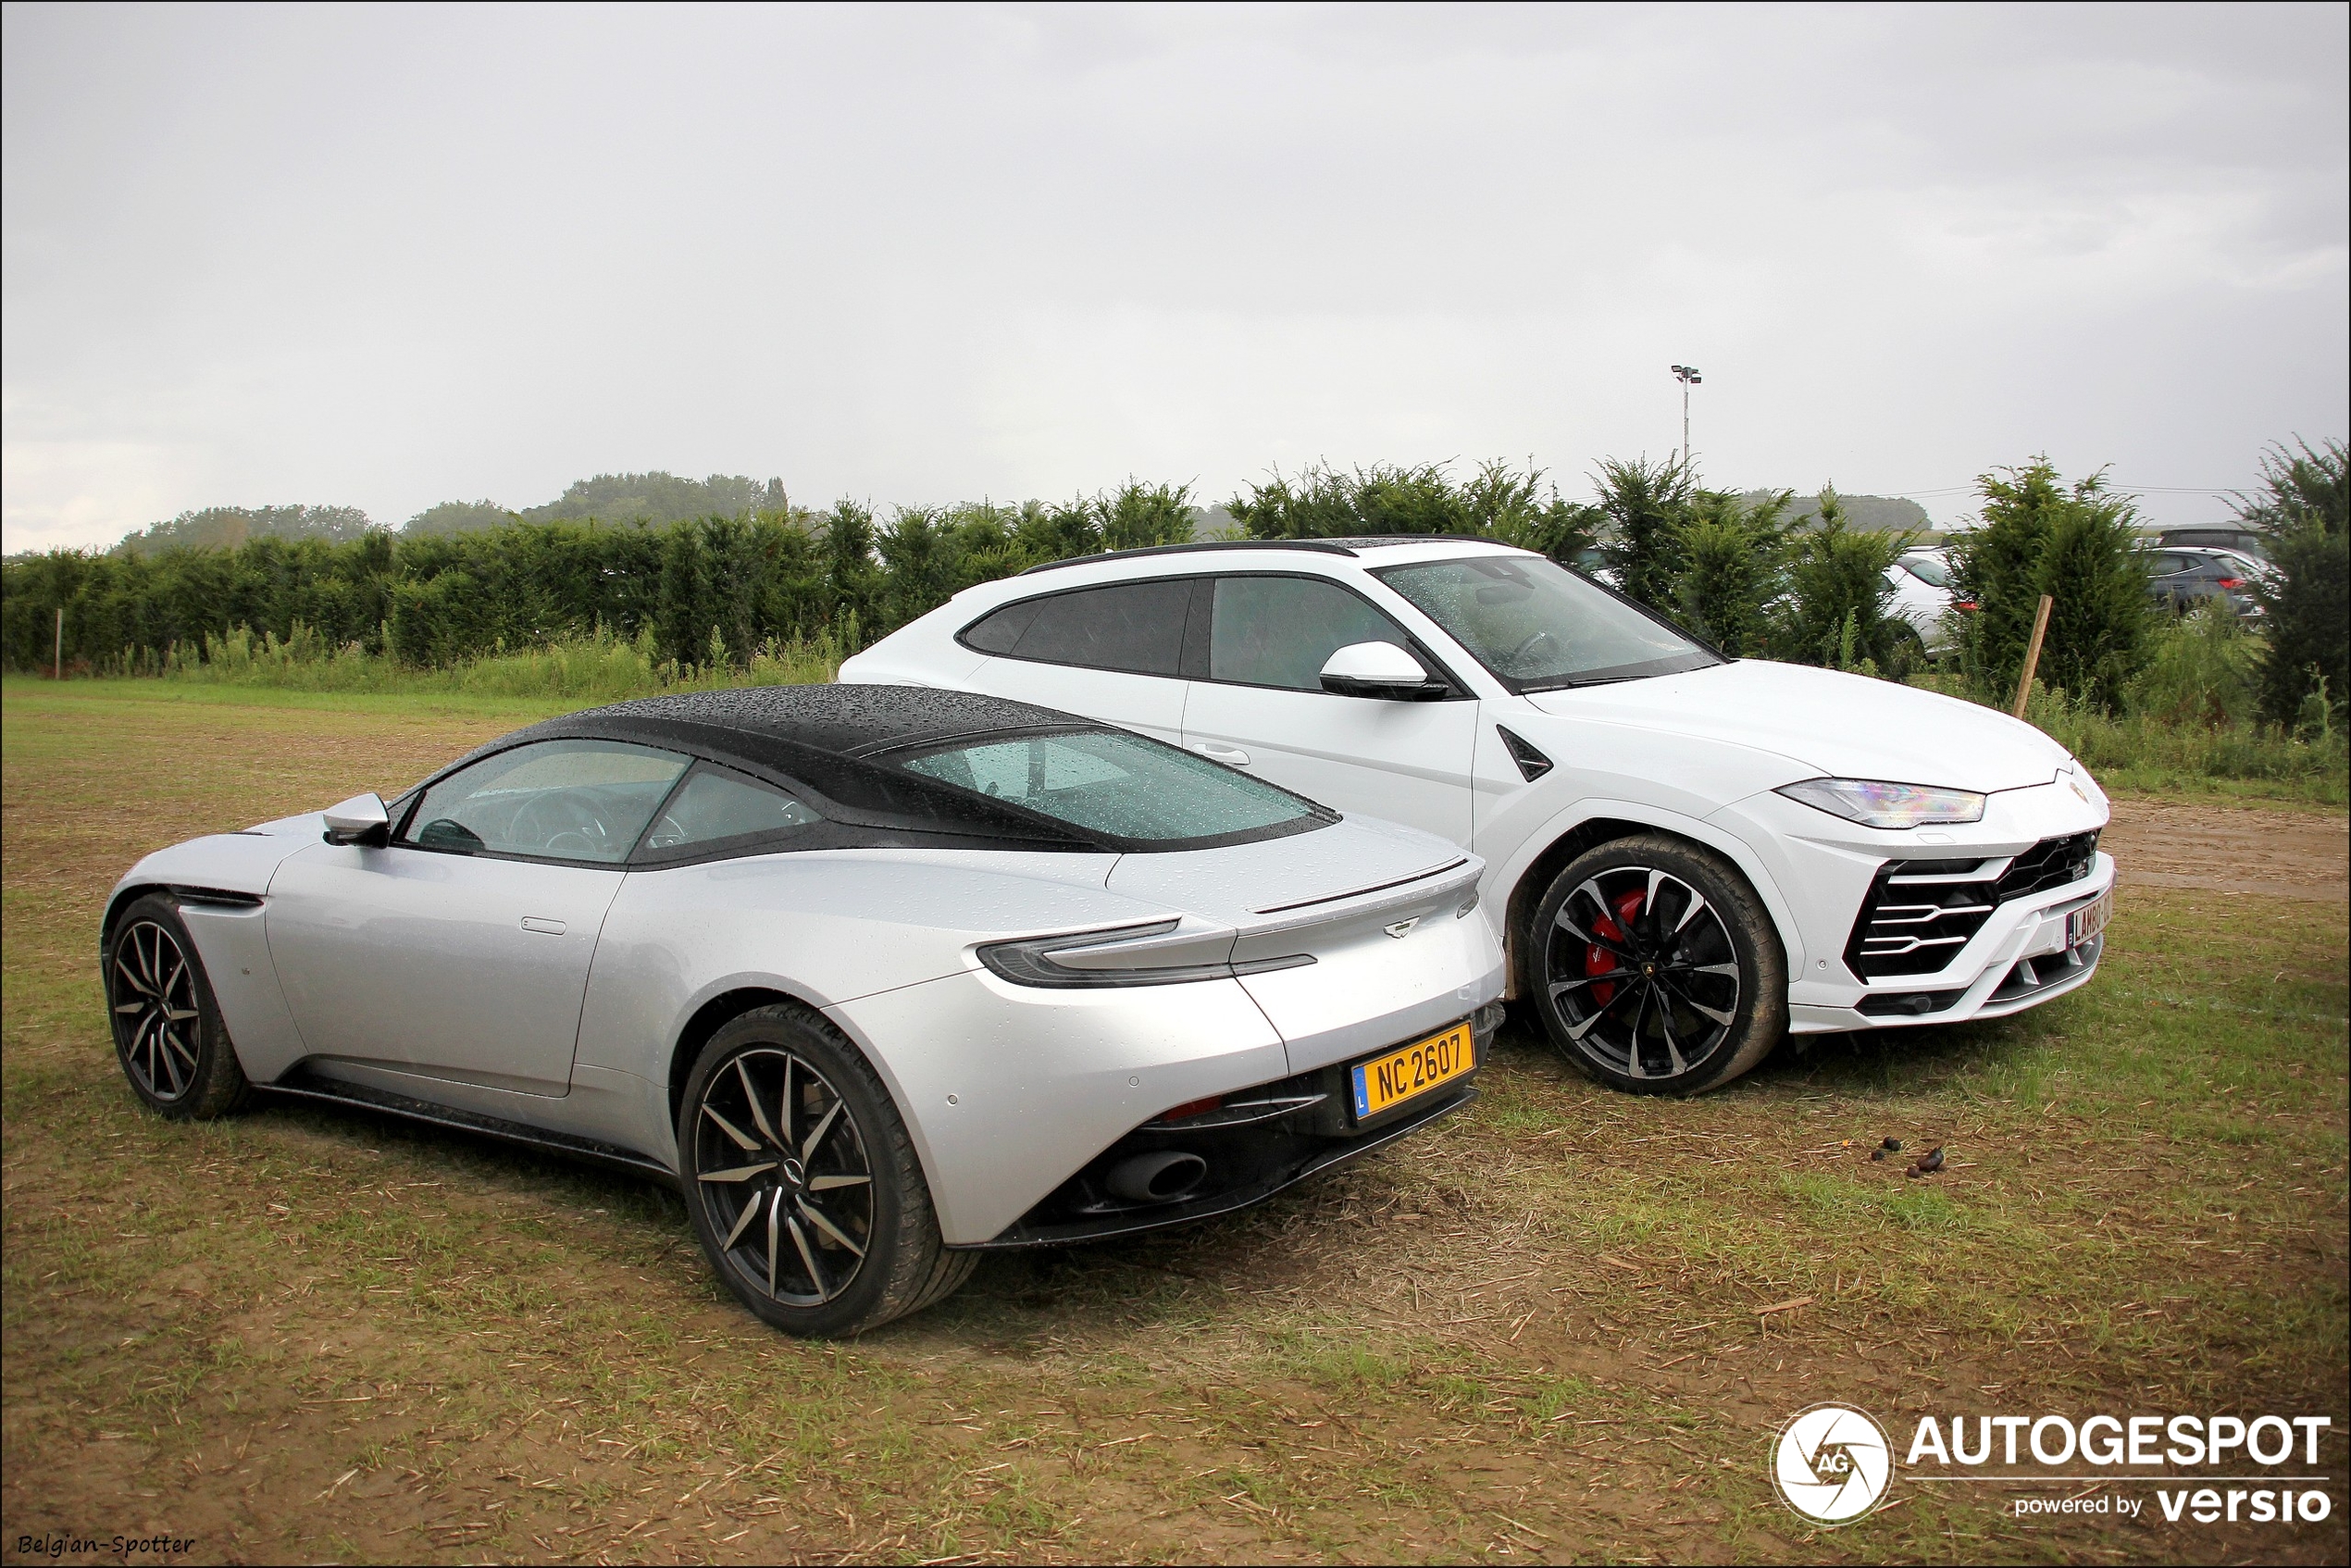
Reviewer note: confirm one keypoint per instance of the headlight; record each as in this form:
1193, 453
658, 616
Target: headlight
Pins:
1875, 804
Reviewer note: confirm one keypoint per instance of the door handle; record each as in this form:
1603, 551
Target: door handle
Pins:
1232, 756
549, 928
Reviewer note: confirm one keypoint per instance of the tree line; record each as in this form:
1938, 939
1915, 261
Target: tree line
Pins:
1756, 574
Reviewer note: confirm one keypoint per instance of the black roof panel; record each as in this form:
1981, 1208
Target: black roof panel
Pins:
822, 742
843, 720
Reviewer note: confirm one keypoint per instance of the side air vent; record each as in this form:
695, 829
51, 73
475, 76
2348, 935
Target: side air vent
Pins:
1532, 764
1919, 913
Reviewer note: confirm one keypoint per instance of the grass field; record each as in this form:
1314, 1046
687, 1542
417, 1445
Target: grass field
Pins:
1539, 1331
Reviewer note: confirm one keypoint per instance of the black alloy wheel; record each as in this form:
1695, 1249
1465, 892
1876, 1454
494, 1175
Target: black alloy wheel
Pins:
168, 1032
1657, 968
802, 1182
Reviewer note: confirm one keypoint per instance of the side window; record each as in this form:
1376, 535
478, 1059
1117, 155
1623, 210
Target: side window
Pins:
554, 799
1133, 627
715, 805
1282, 631
1000, 633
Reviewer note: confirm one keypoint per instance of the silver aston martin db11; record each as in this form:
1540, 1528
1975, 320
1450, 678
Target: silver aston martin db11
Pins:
879, 977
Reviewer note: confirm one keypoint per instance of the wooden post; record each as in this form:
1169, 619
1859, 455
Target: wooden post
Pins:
61, 642
2032, 654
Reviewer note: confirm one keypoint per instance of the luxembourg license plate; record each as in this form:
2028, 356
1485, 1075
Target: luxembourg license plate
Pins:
2090, 919
1394, 1076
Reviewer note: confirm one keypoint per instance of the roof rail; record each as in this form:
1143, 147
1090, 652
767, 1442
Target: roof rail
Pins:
1324, 546
1345, 545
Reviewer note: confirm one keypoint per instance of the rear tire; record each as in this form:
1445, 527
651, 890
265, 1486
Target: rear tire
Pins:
802, 1182
1655, 968
168, 1037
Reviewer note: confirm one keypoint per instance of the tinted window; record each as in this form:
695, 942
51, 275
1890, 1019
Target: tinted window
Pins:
1000, 633
555, 800
714, 806
1539, 626
1282, 631
1120, 786
1135, 627
2224, 538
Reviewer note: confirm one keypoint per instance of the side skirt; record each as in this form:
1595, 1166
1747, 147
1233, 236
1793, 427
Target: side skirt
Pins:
303, 1083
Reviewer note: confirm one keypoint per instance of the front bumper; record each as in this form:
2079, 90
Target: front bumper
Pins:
2026, 953
1826, 870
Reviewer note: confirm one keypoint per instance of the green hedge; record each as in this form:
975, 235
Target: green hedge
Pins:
704, 592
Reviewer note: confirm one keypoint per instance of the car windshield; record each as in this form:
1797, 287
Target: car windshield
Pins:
1121, 787
1928, 569
1540, 626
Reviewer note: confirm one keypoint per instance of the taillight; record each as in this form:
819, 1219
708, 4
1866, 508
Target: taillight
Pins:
1963, 604
2232, 582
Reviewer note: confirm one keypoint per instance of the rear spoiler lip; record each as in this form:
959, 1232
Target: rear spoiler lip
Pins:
1421, 876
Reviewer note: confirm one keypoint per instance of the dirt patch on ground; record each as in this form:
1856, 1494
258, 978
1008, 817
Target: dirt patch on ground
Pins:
2294, 855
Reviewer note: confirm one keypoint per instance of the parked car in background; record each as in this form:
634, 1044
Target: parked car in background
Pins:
1922, 599
1687, 855
2179, 580
880, 979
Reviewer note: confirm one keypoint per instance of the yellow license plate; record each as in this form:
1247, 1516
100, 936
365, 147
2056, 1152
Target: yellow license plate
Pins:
1394, 1076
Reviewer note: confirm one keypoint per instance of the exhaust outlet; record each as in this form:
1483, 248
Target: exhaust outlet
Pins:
1156, 1179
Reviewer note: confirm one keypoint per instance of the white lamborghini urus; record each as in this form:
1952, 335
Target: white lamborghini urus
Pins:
1687, 855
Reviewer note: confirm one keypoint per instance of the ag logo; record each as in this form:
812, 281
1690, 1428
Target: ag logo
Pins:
1830, 1463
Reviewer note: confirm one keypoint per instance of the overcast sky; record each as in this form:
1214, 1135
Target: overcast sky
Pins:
386, 257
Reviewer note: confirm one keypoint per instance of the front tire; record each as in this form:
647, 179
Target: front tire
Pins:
802, 1182
167, 1034
1656, 969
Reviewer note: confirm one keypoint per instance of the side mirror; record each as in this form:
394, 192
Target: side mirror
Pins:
1379, 669
360, 820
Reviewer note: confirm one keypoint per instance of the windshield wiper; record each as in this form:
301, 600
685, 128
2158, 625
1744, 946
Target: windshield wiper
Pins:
1568, 683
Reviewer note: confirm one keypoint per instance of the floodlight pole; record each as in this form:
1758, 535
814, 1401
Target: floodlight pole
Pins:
1687, 375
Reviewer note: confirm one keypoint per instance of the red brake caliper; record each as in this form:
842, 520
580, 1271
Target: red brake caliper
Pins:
1598, 960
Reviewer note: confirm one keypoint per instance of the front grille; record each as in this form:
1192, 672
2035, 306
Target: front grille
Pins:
1919, 913
2052, 863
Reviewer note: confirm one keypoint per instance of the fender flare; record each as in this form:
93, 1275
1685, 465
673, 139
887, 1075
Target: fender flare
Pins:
1731, 847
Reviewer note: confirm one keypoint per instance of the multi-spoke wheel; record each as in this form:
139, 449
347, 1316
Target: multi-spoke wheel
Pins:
1655, 967
167, 1031
802, 1182
785, 1176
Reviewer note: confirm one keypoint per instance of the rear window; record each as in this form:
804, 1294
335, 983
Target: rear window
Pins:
1927, 569
1137, 628
1118, 786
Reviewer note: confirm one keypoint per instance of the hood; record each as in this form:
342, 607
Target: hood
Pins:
1837, 725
